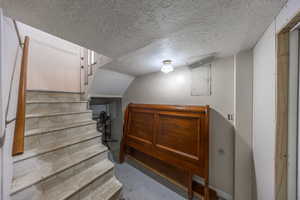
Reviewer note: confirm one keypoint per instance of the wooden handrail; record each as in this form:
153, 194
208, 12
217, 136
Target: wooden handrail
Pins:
18, 145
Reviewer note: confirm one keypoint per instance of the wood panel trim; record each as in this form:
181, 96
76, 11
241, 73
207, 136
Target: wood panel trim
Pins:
178, 108
205, 148
18, 143
170, 159
139, 139
282, 115
177, 152
189, 115
155, 128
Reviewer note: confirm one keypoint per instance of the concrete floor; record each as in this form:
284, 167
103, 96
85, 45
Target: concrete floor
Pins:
138, 186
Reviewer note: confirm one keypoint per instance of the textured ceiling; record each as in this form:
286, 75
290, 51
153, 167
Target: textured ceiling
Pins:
139, 34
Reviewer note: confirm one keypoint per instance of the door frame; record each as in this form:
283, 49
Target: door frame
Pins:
282, 108
2, 116
293, 114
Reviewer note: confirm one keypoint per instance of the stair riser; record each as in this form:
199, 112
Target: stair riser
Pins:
53, 121
53, 147
23, 167
84, 192
45, 96
50, 184
33, 193
116, 196
82, 126
32, 108
56, 137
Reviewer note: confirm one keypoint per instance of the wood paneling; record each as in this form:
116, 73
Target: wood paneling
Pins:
176, 135
174, 132
141, 126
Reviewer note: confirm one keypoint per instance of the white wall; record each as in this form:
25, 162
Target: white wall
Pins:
243, 125
54, 63
264, 81
264, 91
175, 88
108, 83
104, 82
10, 59
100, 60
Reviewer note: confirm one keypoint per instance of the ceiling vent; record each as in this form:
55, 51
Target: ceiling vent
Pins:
205, 60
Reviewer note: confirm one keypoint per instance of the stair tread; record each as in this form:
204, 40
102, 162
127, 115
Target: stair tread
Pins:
55, 146
37, 131
52, 91
60, 163
55, 114
106, 191
63, 156
54, 101
79, 181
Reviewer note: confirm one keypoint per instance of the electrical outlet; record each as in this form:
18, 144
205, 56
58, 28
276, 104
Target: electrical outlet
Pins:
230, 117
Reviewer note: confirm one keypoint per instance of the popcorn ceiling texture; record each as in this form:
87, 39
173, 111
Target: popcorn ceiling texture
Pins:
139, 34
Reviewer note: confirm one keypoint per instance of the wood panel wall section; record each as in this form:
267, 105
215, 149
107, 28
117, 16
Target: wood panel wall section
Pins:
177, 136
282, 88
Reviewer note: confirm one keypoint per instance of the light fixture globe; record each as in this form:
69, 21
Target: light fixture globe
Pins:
167, 66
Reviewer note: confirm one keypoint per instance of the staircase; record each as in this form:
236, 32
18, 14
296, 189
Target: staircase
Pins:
63, 157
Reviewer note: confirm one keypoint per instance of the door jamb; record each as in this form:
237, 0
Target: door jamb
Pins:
282, 88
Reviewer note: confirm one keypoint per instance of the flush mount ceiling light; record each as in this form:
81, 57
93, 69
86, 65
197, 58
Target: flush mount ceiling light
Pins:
167, 66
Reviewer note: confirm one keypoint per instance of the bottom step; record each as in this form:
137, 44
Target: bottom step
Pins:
109, 191
66, 185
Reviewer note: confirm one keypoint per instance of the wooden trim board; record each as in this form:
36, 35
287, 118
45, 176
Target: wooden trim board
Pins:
282, 88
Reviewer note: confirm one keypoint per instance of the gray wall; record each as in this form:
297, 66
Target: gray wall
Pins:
114, 107
264, 133
116, 127
108, 83
174, 88
243, 167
